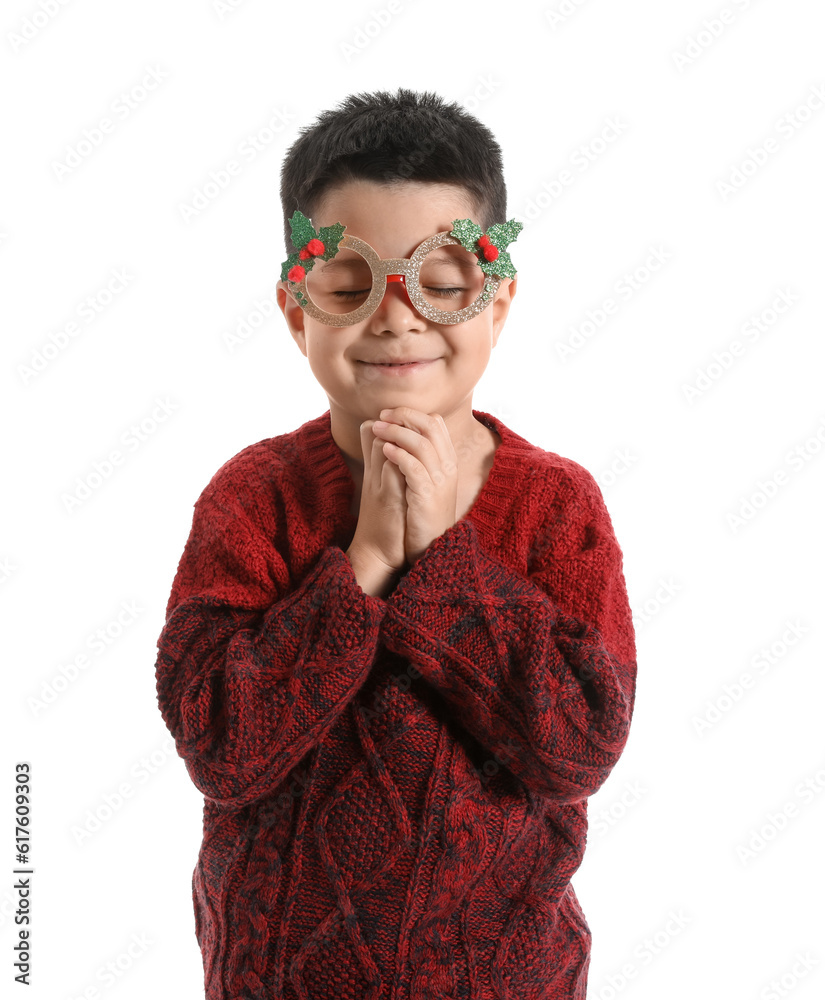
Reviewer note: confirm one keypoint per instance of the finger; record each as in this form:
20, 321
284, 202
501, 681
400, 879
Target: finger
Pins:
367, 437
373, 458
394, 478
429, 426
377, 462
423, 435
411, 439
415, 475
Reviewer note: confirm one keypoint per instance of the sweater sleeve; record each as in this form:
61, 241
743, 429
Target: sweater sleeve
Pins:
540, 668
252, 672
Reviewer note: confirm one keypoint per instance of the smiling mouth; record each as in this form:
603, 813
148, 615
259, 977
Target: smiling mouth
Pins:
399, 364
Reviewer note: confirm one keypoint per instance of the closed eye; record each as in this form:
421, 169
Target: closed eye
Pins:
447, 293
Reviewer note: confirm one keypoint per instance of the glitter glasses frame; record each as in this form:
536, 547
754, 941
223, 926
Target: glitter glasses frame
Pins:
386, 269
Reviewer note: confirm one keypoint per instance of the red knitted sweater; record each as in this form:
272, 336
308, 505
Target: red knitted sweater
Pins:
395, 789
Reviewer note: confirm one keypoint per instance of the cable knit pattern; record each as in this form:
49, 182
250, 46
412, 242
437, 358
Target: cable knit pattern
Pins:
395, 789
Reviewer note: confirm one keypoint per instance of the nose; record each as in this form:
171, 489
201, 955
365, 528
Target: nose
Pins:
394, 308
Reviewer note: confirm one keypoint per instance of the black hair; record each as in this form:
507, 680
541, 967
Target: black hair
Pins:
394, 137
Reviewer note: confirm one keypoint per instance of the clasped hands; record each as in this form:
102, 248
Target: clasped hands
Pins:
410, 482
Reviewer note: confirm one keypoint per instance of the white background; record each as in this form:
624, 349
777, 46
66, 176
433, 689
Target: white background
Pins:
715, 161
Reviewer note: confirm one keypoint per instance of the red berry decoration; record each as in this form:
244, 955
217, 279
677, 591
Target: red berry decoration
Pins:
310, 245
490, 248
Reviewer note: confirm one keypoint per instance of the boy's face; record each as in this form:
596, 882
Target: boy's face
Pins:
394, 219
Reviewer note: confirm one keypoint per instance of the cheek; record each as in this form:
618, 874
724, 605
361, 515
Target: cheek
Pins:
479, 340
473, 355
329, 347
318, 351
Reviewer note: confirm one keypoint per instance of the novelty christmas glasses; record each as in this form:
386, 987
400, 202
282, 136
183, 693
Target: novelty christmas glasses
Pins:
451, 277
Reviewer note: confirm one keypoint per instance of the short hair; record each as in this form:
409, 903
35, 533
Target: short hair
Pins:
386, 137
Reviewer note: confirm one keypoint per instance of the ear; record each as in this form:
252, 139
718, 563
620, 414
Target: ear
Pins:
293, 314
501, 305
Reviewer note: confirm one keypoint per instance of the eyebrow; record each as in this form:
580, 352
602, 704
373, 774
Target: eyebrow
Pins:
467, 263
434, 258
347, 262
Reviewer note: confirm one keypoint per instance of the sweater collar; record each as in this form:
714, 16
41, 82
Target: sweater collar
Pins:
513, 459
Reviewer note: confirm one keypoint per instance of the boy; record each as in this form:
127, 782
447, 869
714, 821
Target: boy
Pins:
398, 653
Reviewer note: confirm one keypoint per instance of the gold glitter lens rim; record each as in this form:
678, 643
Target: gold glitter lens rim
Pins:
410, 268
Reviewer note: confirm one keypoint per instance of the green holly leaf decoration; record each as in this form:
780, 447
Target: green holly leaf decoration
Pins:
502, 265
467, 233
502, 234
302, 231
288, 264
330, 236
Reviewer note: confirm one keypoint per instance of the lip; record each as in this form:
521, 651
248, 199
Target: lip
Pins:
397, 368
398, 361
